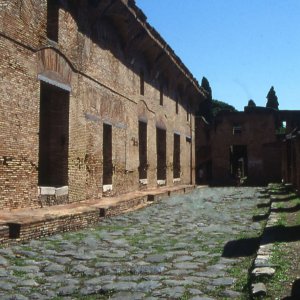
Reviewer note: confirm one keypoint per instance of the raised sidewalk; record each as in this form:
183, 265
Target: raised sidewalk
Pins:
20, 225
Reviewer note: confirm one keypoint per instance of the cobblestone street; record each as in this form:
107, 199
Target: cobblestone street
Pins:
169, 250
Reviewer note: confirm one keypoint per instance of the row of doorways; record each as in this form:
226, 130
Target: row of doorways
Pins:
143, 154
54, 143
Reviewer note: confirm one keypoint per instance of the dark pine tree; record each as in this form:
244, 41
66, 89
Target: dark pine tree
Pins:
206, 86
206, 106
272, 99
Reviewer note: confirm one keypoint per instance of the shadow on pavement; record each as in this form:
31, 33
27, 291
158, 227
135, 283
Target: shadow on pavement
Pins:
285, 199
258, 218
241, 247
249, 246
286, 209
280, 233
263, 205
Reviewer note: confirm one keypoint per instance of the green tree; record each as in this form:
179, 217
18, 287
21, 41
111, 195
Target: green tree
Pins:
209, 108
218, 106
272, 99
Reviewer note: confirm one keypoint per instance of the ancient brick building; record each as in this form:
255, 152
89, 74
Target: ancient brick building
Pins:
93, 102
256, 146
242, 145
291, 149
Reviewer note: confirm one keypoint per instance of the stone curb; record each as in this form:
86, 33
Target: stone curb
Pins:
262, 265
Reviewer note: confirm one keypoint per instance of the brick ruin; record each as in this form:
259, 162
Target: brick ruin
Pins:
93, 103
255, 147
291, 149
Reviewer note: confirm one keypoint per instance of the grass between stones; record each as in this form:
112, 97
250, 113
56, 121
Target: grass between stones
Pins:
285, 253
240, 271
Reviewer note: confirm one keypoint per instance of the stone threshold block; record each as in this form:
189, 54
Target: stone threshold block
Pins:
263, 272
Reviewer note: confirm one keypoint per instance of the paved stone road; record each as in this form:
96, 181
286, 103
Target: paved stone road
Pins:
170, 250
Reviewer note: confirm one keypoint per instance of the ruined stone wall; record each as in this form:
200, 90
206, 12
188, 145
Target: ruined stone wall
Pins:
104, 86
298, 163
291, 161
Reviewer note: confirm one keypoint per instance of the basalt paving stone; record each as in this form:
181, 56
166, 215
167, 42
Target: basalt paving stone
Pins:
157, 258
147, 286
4, 273
169, 250
120, 286
15, 297
7, 286
171, 293
38, 296
128, 296
201, 298
68, 290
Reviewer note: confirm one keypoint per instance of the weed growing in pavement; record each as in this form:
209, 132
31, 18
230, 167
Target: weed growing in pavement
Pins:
18, 261
240, 271
20, 273
216, 292
53, 245
187, 295
281, 276
282, 221
159, 249
136, 240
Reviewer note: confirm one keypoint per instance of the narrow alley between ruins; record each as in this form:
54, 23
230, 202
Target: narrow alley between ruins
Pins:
184, 247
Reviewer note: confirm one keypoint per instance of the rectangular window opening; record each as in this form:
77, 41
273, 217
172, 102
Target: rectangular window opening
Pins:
53, 136
161, 154
52, 20
107, 155
176, 156
188, 112
161, 95
236, 130
142, 83
143, 150
177, 105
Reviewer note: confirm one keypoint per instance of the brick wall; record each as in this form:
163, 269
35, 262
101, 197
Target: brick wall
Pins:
256, 131
97, 63
291, 160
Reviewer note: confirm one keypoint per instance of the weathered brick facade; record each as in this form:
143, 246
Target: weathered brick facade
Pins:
242, 145
291, 149
75, 78
257, 146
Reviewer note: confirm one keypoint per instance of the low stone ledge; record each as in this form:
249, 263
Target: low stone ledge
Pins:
158, 196
24, 227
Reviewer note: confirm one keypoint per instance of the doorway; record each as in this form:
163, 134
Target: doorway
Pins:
238, 161
107, 157
176, 156
53, 136
143, 150
161, 155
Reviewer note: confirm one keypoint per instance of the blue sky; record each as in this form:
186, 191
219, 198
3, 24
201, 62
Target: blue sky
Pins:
242, 47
